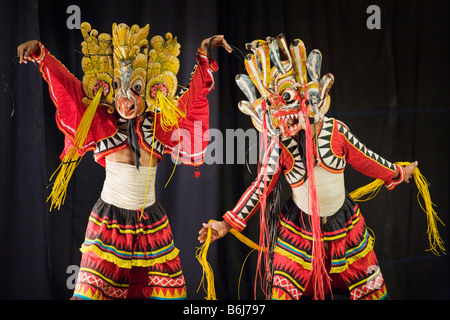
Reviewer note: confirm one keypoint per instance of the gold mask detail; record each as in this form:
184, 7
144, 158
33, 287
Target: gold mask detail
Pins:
279, 73
136, 76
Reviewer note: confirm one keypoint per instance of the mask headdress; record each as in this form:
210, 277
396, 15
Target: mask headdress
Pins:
130, 69
285, 78
163, 66
97, 65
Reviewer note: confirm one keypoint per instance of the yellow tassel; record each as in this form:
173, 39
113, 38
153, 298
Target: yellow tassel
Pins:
170, 117
72, 158
434, 239
246, 240
240, 274
251, 245
176, 161
371, 189
149, 169
208, 274
170, 113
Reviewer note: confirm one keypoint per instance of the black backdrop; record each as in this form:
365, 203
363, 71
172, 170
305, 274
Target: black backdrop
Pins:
391, 89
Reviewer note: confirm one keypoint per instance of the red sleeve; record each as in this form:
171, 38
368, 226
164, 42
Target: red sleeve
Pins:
249, 203
363, 159
191, 137
67, 93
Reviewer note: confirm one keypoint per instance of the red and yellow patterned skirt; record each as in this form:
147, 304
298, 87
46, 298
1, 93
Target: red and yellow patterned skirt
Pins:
351, 261
129, 255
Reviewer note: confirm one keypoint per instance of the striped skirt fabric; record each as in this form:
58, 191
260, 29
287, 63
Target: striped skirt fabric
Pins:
351, 260
129, 254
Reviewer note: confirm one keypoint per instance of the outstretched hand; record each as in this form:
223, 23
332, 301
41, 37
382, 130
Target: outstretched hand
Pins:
219, 230
25, 49
217, 41
409, 171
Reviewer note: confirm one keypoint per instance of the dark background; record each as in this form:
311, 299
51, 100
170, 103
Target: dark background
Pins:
391, 89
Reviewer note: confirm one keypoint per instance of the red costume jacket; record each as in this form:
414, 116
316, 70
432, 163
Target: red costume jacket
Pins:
105, 135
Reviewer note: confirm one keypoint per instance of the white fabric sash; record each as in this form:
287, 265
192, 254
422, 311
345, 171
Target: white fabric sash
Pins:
124, 185
330, 192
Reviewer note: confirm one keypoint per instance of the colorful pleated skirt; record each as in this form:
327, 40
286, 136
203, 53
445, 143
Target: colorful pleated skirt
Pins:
129, 254
351, 261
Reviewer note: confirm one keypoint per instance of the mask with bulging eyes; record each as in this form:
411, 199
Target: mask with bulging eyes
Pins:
288, 84
135, 75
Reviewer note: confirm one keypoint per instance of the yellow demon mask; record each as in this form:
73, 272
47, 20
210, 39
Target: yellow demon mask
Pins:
133, 74
287, 97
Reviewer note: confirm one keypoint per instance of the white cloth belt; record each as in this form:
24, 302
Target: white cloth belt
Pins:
125, 186
330, 192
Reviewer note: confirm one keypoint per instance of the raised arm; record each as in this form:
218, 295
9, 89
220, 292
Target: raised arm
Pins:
67, 93
189, 136
65, 88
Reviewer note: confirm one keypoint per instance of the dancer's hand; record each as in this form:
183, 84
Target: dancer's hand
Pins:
409, 171
25, 49
218, 41
219, 230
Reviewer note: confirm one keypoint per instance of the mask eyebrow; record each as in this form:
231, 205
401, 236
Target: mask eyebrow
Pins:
286, 85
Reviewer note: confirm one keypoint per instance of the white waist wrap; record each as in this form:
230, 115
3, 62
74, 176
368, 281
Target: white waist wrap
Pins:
330, 192
125, 186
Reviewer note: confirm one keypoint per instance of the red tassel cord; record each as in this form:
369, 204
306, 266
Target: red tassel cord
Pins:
197, 172
319, 274
264, 234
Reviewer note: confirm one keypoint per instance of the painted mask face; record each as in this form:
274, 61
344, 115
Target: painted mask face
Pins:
130, 69
287, 109
136, 76
286, 99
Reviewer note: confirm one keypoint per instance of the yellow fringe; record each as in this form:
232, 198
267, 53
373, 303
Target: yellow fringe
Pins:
370, 189
149, 169
170, 117
170, 113
434, 239
240, 274
246, 240
290, 256
250, 244
127, 264
354, 258
208, 274
72, 158
176, 162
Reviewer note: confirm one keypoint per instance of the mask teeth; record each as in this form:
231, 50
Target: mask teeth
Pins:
266, 65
